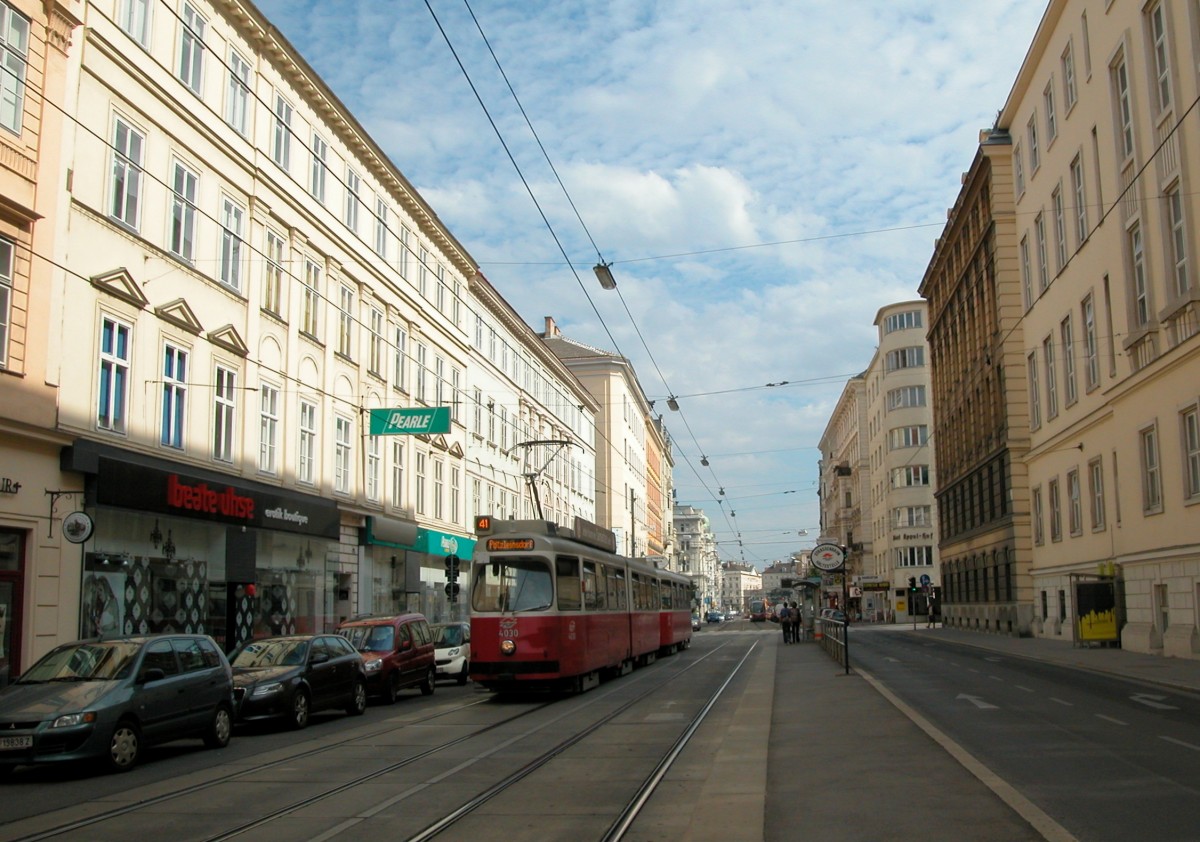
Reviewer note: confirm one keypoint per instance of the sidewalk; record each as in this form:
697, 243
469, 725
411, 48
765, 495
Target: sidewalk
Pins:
1176, 673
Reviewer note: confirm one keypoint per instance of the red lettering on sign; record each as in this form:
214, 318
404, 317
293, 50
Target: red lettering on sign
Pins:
201, 498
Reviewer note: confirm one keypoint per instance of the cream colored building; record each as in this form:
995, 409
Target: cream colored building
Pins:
845, 477
1105, 159
738, 580
901, 465
696, 554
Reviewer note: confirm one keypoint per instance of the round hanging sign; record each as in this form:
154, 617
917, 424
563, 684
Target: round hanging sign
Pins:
77, 527
828, 557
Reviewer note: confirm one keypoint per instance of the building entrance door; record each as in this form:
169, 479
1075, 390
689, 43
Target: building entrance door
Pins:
12, 570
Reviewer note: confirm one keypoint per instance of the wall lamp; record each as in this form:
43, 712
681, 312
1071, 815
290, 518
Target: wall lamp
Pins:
604, 275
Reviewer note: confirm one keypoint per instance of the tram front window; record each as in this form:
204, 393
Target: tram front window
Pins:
514, 584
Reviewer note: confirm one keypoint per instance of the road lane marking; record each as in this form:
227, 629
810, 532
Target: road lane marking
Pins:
1022, 687
995, 678
1180, 743
1111, 719
1152, 701
978, 702
1051, 830
1062, 702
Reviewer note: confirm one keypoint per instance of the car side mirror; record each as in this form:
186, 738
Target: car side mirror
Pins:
405, 645
153, 674
320, 657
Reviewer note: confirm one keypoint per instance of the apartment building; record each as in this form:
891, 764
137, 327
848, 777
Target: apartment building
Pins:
1105, 157
902, 468
696, 551
738, 581
845, 484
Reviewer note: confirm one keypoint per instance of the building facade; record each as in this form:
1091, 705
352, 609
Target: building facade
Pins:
1105, 157
696, 551
738, 581
902, 469
845, 490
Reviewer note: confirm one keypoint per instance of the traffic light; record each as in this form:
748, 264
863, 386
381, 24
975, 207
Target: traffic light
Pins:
452, 586
912, 583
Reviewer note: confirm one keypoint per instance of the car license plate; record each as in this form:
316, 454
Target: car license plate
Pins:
12, 743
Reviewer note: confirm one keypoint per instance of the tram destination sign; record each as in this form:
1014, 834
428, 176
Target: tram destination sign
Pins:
399, 422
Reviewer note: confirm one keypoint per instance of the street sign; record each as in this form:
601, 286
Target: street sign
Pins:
397, 422
828, 557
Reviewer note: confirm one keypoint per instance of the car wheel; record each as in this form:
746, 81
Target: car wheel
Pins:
300, 710
220, 729
463, 674
393, 688
358, 703
124, 747
427, 684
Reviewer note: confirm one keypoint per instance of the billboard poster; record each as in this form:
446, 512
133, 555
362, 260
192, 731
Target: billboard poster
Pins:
1096, 611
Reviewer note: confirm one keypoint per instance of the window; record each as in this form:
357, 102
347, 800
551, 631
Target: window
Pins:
399, 358
308, 441
405, 252
1051, 114
910, 476
183, 212
232, 222
914, 556
1141, 294
273, 273
439, 381
1018, 169
134, 17
455, 395
1026, 273
1035, 159
237, 98
1096, 496
1151, 476
320, 152
1039, 534
345, 344
353, 202
1070, 92
191, 48
174, 395
398, 473
912, 436
423, 273
1060, 229
1074, 503
440, 295
455, 493
420, 482
913, 357
907, 516
128, 149
1067, 336
375, 346
281, 148
310, 314
1039, 230
1079, 191
1048, 353
902, 321
1124, 108
6, 286
268, 428
115, 339
422, 380
381, 227
1161, 55
1178, 239
342, 466
1091, 351
224, 406
439, 489
14, 52
374, 461
1055, 510
1035, 398
1190, 427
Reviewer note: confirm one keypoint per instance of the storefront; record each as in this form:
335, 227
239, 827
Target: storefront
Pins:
178, 548
410, 570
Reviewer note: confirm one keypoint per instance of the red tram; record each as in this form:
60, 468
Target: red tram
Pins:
557, 608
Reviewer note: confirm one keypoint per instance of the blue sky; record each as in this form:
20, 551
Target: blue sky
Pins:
763, 175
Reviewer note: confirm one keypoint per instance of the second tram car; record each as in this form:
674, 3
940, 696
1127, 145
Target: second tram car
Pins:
557, 608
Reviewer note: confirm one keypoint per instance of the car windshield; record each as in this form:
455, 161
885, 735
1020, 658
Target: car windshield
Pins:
517, 583
271, 653
447, 636
370, 638
84, 662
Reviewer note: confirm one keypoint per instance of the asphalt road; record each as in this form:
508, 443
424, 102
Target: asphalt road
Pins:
1107, 758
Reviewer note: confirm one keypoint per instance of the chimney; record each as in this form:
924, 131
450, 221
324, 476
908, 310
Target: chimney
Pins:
551, 328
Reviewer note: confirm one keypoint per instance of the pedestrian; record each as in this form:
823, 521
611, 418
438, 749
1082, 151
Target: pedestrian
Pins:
795, 617
785, 622
929, 625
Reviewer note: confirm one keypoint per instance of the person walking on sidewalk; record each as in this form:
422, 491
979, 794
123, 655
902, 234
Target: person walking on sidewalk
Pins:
794, 616
785, 623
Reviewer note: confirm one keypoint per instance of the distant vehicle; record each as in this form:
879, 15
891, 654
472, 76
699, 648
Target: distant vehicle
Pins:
714, 617
731, 615
833, 614
695, 622
290, 677
107, 699
759, 610
452, 647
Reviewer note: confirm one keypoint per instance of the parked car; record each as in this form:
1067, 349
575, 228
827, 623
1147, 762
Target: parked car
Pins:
289, 677
397, 650
833, 614
695, 622
714, 617
452, 650
108, 699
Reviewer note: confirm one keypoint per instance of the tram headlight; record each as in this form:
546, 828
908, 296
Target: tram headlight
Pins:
508, 647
